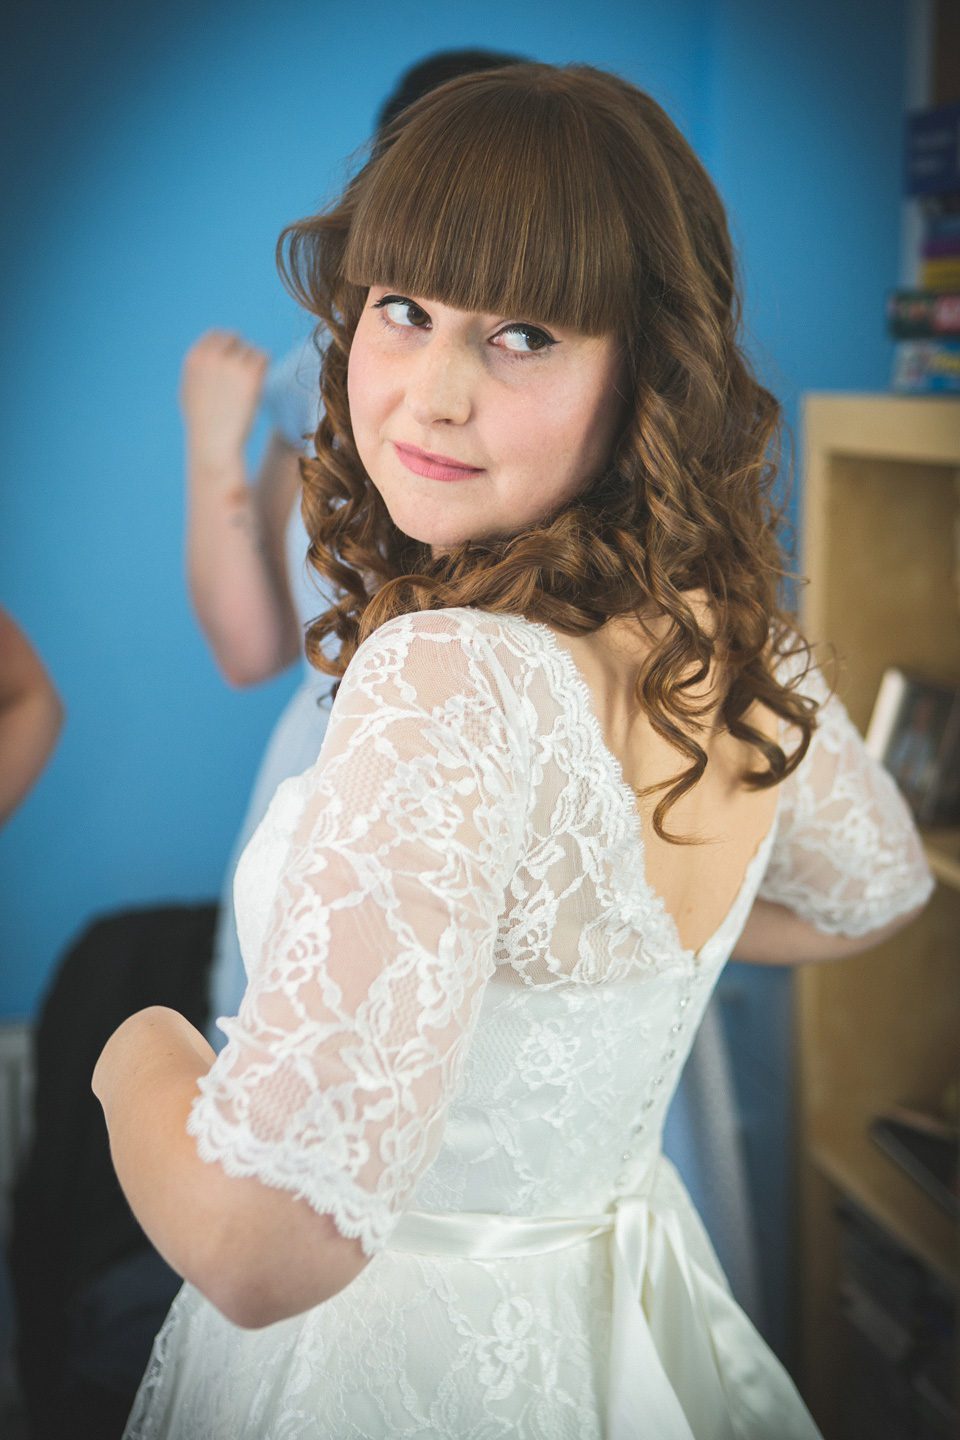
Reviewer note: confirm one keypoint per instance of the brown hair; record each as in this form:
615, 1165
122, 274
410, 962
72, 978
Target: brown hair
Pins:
567, 196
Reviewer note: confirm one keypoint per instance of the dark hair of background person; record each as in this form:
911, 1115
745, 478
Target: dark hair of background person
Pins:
435, 70
568, 196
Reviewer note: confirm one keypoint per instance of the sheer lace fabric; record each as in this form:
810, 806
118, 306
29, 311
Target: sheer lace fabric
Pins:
465, 997
847, 857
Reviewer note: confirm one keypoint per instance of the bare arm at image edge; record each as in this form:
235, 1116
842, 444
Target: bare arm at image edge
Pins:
235, 530
31, 715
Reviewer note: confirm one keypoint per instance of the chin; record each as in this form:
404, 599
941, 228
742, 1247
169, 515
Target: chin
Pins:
434, 531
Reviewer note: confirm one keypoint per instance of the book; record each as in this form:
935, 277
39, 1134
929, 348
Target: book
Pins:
941, 247
900, 1330
923, 315
939, 212
927, 1148
914, 733
941, 220
926, 367
933, 150
940, 274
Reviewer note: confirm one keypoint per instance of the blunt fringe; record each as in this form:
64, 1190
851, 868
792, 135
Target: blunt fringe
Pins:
568, 197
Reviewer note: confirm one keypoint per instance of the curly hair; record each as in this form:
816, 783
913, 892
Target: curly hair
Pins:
567, 196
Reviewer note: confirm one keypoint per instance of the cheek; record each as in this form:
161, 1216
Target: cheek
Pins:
559, 435
358, 385
368, 389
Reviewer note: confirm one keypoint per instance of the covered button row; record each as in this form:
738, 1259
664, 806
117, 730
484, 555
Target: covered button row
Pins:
651, 1100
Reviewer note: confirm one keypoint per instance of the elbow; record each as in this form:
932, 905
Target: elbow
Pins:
239, 1289
254, 1303
250, 655
258, 1281
243, 668
245, 1306
243, 657
243, 674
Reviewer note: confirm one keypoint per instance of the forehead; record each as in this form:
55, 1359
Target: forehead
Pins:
497, 208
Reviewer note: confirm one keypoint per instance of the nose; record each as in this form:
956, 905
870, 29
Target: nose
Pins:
439, 384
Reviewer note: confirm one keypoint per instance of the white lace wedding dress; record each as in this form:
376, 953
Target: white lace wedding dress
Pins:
466, 1016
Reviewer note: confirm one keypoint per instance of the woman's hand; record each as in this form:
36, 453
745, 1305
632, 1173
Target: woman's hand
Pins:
219, 395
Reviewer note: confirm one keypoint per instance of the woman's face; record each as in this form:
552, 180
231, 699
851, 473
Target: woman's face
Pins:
476, 425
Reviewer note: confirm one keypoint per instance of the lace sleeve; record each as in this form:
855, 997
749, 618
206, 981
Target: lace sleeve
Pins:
846, 856
375, 950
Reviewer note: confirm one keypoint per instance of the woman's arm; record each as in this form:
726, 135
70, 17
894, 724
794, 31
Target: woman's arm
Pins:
31, 715
774, 935
258, 1254
847, 867
387, 862
235, 531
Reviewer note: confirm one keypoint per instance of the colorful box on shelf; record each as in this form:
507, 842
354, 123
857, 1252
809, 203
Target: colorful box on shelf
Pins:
926, 367
923, 315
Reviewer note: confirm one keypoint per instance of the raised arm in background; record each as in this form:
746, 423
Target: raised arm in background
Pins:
235, 529
31, 715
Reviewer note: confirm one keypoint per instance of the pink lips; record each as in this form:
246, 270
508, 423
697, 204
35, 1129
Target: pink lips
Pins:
434, 467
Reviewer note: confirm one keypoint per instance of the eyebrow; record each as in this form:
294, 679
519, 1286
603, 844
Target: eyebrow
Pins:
495, 317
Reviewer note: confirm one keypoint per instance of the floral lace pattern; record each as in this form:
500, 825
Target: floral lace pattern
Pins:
847, 856
371, 955
464, 995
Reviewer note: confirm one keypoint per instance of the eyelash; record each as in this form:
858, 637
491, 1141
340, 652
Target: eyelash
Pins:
529, 331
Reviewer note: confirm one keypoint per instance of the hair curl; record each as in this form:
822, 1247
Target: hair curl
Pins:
567, 196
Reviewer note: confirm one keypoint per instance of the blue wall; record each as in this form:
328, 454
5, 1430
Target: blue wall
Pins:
804, 139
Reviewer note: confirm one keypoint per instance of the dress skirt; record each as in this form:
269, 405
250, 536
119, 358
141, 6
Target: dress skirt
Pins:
618, 1326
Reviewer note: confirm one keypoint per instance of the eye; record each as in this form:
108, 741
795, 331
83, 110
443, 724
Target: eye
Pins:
400, 311
524, 339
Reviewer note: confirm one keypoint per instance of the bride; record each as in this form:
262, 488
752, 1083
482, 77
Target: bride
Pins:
578, 756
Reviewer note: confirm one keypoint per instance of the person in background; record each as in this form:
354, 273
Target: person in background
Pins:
31, 716
246, 544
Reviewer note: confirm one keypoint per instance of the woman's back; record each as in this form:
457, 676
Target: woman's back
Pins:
727, 819
467, 826
493, 1005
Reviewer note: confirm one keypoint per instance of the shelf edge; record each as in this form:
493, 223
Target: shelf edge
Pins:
845, 1180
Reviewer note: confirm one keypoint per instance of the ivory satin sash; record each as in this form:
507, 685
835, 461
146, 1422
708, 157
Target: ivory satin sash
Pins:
685, 1362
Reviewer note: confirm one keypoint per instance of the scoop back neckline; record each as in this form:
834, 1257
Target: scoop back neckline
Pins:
587, 716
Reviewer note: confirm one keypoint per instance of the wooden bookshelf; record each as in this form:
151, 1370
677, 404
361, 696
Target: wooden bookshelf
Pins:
881, 531
943, 852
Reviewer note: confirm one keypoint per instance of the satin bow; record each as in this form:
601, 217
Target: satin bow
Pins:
685, 1362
